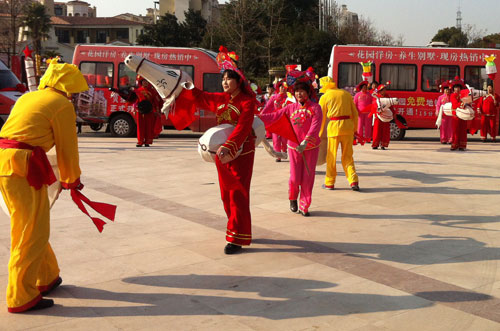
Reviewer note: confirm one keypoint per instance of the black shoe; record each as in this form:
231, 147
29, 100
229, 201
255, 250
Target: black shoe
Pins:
138, 145
483, 140
293, 206
461, 149
355, 187
376, 147
146, 145
56, 285
383, 148
42, 304
278, 160
232, 249
306, 214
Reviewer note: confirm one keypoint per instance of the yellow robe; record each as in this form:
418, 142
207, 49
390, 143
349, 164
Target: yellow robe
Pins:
43, 118
336, 103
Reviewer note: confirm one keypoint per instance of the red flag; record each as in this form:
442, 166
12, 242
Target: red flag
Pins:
182, 112
284, 128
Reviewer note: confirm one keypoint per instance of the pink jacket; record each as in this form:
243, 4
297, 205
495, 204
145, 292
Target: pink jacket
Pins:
443, 98
306, 122
363, 102
276, 101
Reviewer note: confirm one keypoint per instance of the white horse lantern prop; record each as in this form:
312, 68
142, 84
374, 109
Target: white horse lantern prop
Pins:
169, 82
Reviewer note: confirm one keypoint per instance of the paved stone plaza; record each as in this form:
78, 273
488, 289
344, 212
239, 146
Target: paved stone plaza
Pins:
417, 249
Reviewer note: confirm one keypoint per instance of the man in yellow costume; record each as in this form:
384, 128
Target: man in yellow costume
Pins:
38, 121
338, 106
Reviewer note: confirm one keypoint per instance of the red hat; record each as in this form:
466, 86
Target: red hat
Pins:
457, 81
444, 85
360, 85
383, 86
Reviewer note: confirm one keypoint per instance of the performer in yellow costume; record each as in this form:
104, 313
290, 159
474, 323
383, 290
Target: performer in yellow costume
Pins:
38, 121
338, 106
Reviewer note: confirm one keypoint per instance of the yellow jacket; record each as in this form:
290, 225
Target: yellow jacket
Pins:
338, 103
42, 118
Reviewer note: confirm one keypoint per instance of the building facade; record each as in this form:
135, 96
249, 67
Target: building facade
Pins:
209, 8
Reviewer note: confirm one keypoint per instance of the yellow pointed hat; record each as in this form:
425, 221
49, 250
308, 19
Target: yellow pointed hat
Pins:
63, 77
326, 84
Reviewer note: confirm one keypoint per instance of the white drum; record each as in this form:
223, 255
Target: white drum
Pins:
214, 137
447, 109
466, 113
52, 190
385, 115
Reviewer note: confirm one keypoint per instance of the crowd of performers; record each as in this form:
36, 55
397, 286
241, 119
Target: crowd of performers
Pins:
45, 118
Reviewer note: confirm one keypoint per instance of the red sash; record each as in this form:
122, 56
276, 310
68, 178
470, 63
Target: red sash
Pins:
40, 172
338, 118
39, 169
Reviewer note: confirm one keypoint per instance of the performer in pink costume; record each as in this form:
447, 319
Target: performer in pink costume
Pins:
363, 101
305, 116
275, 103
446, 121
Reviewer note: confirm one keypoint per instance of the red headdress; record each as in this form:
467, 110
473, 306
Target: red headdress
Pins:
293, 77
382, 86
226, 61
443, 86
360, 85
457, 81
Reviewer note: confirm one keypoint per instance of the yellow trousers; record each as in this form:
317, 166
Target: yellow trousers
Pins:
345, 142
32, 266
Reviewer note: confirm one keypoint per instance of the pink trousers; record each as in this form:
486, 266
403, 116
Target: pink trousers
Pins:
446, 129
279, 143
365, 126
302, 178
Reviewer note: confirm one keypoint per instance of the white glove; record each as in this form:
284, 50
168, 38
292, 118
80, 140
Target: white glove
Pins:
302, 146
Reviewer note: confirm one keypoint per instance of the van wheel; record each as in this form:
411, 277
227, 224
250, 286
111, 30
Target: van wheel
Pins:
122, 125
96, 126
396, 132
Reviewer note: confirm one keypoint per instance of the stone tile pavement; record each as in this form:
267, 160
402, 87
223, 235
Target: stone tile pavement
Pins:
417, 249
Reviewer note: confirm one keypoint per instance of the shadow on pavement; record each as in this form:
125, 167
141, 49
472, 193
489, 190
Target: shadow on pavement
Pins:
279, 298
439, 249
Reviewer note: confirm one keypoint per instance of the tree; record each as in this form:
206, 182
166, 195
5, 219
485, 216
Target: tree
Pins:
38, 23
239, 27
271, 25
15, 9
489, 41
193, 28
166, 32
453, 36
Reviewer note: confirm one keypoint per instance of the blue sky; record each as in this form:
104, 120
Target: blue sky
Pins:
416, 20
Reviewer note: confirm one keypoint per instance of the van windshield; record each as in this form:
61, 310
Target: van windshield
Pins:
8, 80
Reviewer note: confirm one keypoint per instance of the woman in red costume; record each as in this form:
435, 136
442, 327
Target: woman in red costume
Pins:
459, 133
237, 106
381, 130
487, 107
145, 112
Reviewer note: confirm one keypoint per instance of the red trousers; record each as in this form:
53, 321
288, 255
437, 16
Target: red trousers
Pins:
145, 128
488, 126
381, 133
158, 127
234, 182
459, 135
